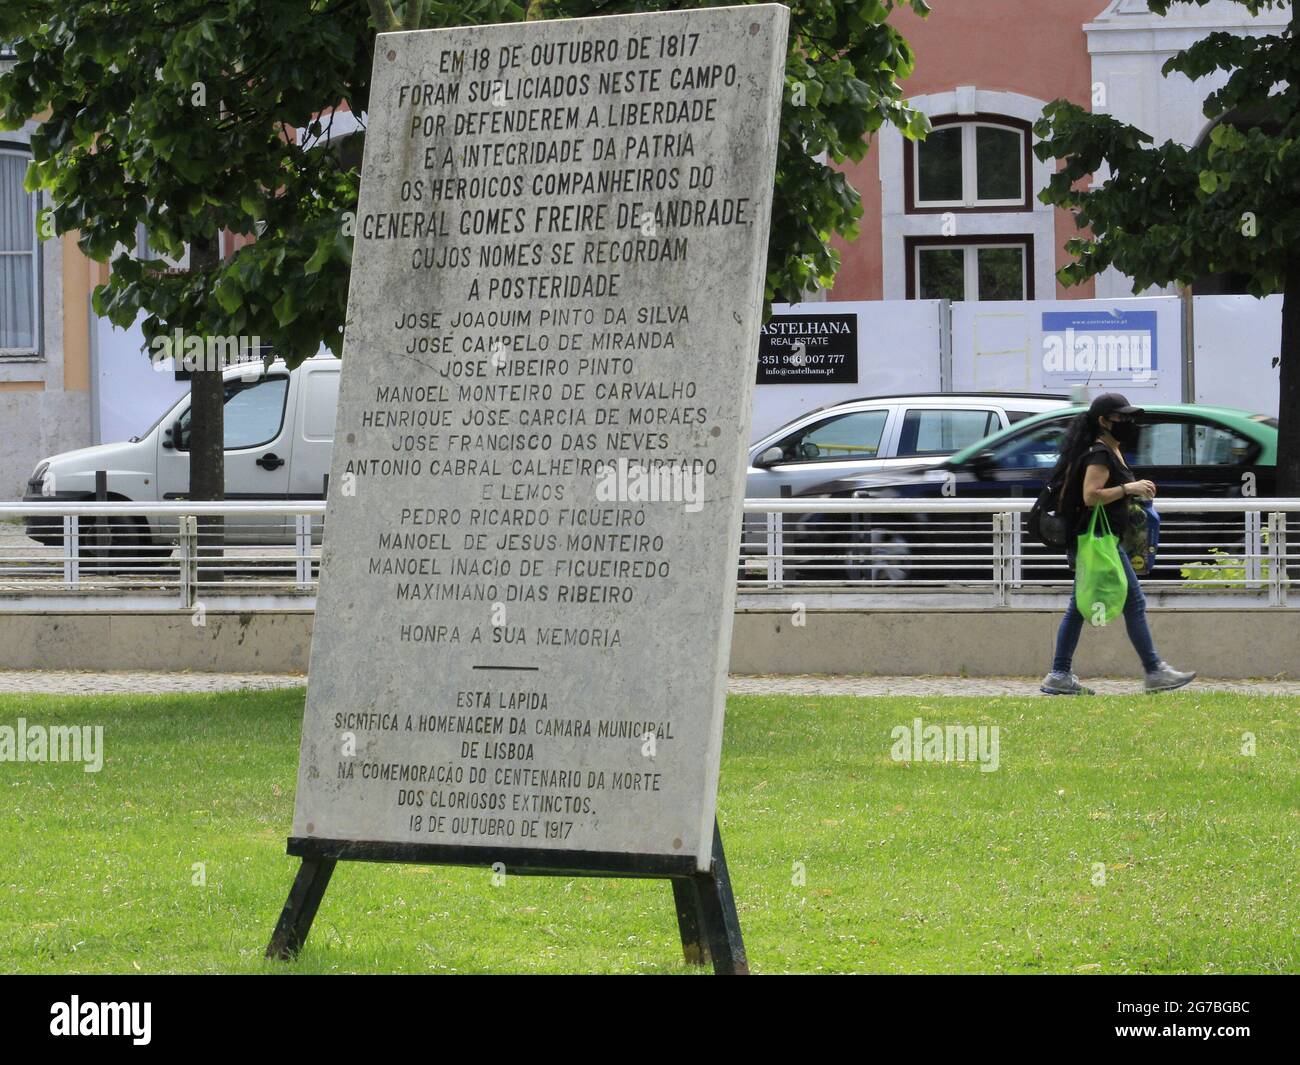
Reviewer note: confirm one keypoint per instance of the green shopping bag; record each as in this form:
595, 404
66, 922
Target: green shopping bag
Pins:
1100, 583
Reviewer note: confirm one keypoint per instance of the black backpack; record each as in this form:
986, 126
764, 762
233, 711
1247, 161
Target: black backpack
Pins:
1051, 521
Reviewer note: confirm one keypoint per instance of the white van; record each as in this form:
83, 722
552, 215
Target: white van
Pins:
279, 428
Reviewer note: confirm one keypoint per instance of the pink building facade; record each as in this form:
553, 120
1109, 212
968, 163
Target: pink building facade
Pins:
958, 216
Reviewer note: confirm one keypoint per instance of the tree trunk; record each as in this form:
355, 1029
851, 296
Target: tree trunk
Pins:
1288, 398
1288, 437
207, 438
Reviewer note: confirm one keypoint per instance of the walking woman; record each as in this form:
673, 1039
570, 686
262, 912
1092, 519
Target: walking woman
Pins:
1095, 472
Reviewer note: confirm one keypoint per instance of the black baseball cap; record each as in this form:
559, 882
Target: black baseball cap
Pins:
1109, 403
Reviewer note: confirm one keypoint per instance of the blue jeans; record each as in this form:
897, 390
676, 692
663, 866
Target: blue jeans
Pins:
1135, 620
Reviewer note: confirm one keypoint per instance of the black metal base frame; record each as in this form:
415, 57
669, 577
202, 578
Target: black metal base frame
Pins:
706, 907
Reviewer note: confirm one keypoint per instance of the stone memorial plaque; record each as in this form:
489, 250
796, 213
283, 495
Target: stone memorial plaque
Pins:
525, 610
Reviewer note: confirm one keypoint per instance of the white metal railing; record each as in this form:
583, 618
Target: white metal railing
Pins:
824, 553
954, 552
969, 552
177, 555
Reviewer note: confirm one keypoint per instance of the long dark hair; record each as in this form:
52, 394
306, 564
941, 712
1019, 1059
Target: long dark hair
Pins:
1082, 433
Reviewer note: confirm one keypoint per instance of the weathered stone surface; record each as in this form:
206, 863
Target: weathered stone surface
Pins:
520, 642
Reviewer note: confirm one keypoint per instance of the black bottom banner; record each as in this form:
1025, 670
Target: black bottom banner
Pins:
142, 1013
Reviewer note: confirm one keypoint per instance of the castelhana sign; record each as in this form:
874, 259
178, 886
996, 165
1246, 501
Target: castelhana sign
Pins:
524, 619
809, 349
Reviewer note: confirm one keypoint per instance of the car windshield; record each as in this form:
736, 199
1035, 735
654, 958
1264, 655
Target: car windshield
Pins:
855, 434
255, 369
156, 422
1037, 448
994, 439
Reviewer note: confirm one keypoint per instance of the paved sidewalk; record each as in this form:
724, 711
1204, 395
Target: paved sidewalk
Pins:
79, 683
133, 682
867, 686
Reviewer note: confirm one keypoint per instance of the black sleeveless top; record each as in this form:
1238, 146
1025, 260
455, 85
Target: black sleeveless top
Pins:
1118, 474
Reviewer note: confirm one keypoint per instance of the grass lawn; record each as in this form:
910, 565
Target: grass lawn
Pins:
922, 867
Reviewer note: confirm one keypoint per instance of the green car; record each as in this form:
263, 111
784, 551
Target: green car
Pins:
1189, 450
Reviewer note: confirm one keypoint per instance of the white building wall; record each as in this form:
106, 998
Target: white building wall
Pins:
1237, 340
1004, 347
1129, 45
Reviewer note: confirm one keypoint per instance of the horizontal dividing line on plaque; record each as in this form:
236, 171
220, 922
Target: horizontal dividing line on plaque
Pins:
521, 861
512, 669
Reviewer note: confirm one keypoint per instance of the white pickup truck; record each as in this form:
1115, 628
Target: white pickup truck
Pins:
279, 430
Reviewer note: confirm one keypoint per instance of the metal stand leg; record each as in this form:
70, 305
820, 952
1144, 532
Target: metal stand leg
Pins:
300, 908
707, 917
687, 897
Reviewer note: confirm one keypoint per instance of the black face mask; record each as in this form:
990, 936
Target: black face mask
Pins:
1125, 433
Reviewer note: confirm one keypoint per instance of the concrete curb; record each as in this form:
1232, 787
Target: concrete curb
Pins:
911, 643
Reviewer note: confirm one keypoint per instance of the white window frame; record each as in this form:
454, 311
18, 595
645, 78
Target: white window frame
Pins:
37, 317
970, 264
146, 253
969, 175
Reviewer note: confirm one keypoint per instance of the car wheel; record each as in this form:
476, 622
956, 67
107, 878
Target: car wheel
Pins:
878, 555
127, 545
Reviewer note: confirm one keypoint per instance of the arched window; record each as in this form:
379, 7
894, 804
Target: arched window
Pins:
976, 163
19, 258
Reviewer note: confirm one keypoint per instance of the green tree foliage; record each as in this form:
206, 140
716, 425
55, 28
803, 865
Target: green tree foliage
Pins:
842, 78
1172, 214
175, 115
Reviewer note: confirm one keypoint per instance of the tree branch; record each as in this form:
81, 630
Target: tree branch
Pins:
381, 11
414, 14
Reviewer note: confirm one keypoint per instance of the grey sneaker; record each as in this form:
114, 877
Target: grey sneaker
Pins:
1063, 684
1164, 678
